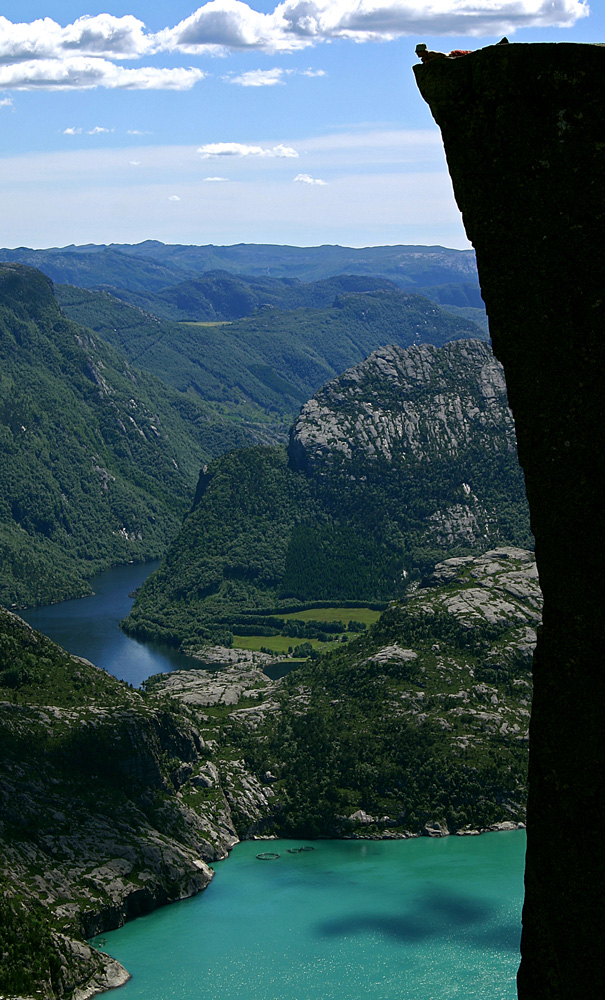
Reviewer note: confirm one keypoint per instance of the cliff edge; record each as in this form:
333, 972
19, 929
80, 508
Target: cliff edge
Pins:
524, 136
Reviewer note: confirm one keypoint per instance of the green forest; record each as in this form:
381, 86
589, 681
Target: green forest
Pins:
100, 458
275, 359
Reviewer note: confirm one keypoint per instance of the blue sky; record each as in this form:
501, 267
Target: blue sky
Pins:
297, 123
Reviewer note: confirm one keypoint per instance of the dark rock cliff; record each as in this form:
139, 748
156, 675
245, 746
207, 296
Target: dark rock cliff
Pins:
524, 134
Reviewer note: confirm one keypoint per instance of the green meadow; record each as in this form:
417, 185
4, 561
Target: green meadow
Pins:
277, 643
286, 643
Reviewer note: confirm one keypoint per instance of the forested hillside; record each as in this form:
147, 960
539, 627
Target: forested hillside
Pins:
275, 359
219, 295
99, 458
403, 460
106, 422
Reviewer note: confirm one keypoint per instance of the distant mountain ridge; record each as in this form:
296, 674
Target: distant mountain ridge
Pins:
152, 265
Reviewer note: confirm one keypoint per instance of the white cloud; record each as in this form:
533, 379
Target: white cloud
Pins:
82, 73
98, 130
227, 24
313, 72
137, 131
173, 197
295, 24
212, 149
307, 179
72, 131
101, 35
6, 102
215, 180
135, 163
259, 78
373, 20
42, 54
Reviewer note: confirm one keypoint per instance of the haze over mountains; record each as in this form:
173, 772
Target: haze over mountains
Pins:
152, 265
447, 277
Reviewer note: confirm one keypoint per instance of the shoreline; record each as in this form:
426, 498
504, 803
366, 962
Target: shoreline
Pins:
115, 971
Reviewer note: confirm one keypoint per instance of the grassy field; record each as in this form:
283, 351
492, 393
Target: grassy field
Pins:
344, 615
210, 322
284, 643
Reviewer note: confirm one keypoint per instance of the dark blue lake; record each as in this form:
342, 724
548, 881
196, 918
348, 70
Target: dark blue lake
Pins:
89, 627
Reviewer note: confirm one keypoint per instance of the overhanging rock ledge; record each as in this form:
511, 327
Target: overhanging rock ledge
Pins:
524, 134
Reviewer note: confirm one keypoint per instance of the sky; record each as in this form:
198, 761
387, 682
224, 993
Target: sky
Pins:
298, 123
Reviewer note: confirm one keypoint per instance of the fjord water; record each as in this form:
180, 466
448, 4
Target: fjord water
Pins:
89, 627
351, 920
379, 920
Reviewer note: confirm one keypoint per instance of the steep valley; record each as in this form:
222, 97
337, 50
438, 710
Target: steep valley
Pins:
379, 556
100, 458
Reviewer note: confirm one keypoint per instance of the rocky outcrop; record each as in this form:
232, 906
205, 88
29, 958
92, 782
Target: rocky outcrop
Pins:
424, 402
94, 826
523, 132
406, 458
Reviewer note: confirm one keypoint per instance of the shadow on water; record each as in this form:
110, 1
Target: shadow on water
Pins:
504, 938
280, 669
433, 915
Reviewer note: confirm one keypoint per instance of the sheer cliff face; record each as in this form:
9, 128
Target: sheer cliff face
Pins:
524, 135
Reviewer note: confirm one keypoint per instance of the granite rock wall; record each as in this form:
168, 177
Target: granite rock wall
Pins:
524, 134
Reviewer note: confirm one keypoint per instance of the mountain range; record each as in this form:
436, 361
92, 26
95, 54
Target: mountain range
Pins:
401, 454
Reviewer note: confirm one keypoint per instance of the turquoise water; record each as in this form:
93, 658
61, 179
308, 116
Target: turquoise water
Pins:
351, 920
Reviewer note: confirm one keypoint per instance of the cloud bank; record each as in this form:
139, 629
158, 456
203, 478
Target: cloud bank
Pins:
83, 73
82, 55
297, 24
